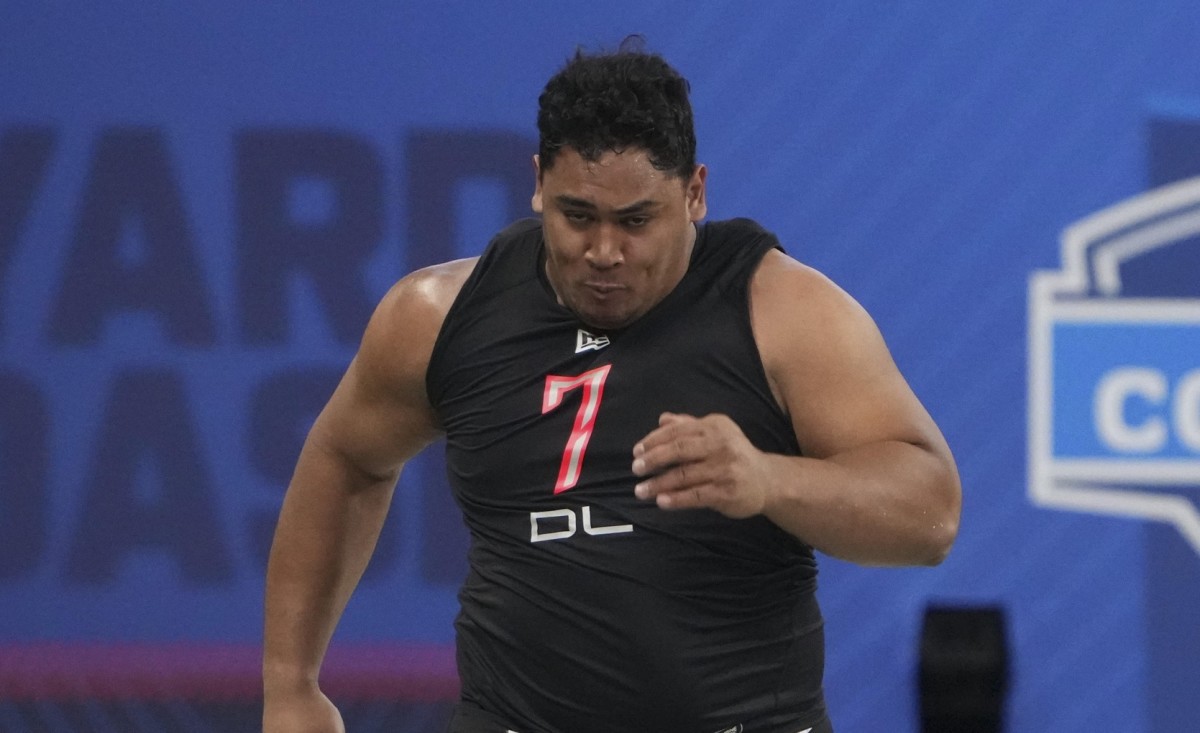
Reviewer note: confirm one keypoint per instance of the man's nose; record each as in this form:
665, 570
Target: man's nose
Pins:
606, 249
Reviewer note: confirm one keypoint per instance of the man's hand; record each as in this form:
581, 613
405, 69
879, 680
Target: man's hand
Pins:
695, 462
310, 712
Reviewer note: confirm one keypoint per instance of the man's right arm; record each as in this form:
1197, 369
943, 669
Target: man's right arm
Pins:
377, 419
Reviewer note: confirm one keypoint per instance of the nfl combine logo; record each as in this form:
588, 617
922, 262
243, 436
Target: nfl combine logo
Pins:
1114, 364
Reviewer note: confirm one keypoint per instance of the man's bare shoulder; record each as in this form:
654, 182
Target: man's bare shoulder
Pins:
809, 330
419, 301
794, 296
430, 290
400, 337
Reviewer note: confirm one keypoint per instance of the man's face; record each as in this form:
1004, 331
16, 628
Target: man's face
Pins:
618, 232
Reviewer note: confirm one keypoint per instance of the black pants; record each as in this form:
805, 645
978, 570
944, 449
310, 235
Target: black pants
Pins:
470, 719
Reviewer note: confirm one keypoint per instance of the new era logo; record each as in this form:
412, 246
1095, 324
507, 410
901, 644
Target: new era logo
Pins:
585, 341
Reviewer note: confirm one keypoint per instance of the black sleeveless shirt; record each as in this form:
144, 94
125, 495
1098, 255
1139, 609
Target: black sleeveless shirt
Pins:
586, 609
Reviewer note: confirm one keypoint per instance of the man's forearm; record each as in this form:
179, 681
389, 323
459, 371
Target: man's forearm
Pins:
327, 531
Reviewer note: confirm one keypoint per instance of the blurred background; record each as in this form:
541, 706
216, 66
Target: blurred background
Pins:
201, 202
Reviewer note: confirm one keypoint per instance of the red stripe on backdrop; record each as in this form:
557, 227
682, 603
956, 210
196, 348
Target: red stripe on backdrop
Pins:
69, 671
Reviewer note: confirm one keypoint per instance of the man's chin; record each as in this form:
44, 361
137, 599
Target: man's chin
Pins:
605, 321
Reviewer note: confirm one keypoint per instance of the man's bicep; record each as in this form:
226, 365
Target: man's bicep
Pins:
379, 416
375, 427
860, 406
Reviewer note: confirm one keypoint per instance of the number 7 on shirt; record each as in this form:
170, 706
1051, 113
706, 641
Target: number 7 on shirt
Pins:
592, 382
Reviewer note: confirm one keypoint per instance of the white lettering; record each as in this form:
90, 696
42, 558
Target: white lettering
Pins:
535, 535
538, 534
610, 529
1187, 410
1115, 390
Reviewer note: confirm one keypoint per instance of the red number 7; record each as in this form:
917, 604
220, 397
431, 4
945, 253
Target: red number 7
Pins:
592, 382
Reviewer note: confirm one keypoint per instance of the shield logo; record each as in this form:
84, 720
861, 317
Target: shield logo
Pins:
1114, 364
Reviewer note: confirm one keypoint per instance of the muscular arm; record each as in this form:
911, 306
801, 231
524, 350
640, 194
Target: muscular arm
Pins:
377, 418
876, 484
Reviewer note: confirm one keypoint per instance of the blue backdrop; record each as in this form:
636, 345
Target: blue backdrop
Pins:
200, 204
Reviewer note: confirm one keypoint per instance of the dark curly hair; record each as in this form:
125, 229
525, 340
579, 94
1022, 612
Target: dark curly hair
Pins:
613, 101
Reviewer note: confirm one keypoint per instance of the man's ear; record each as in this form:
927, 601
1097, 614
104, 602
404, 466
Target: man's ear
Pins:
697, 203
536, 202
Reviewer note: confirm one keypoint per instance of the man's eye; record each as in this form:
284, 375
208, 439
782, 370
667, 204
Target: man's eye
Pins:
636, 221
577, 217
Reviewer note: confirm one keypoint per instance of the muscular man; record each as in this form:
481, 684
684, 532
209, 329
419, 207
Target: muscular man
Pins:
651, 424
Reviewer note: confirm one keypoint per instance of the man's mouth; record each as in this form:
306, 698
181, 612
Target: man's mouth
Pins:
603, 287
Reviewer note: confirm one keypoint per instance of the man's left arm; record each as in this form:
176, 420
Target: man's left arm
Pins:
876, 483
